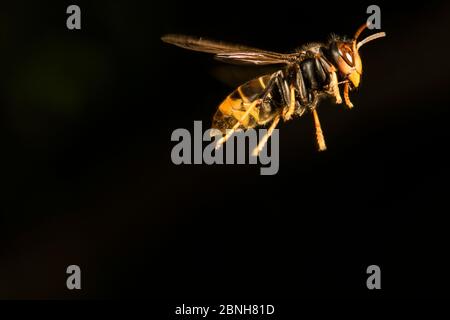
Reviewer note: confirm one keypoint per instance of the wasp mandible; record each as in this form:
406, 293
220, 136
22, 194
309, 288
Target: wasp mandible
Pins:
305, 76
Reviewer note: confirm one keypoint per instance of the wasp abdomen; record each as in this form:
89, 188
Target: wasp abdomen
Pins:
241, 106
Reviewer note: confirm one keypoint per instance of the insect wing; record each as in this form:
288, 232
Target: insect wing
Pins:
230, 53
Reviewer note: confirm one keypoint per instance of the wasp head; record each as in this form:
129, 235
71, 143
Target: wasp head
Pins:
345, 54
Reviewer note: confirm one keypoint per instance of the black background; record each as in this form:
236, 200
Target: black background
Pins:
86, 120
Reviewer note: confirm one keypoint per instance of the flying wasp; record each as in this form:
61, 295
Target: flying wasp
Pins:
305, 76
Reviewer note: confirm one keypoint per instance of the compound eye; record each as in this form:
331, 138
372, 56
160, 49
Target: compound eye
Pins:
346, 53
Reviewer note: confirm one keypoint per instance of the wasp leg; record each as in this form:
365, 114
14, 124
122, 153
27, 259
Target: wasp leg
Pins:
287, 94
334, 84
283, 89
289, 110
273, 80
346, 97
266, 137
238, 123
301, 87
319, 133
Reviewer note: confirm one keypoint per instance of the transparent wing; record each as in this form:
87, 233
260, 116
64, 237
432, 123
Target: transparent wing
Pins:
230, 53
